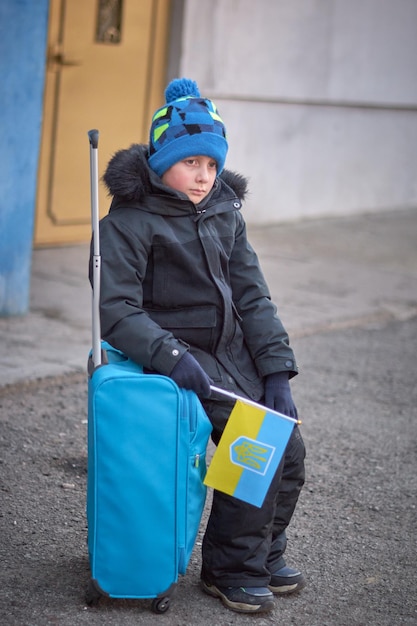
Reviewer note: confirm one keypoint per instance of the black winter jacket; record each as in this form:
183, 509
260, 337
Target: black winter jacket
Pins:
178, 276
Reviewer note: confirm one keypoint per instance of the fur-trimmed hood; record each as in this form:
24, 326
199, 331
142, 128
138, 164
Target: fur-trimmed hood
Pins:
128, 177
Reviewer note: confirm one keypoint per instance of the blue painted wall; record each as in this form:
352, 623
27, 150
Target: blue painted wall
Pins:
23, 38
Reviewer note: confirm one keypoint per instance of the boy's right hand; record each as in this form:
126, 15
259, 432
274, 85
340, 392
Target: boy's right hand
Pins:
189, 374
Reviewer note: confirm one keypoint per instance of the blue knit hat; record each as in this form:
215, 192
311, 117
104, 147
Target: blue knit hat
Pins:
188, 125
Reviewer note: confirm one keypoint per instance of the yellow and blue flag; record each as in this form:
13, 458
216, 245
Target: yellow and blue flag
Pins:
249, 451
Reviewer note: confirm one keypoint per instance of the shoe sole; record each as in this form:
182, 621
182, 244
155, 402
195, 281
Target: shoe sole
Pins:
283, 590
239, 607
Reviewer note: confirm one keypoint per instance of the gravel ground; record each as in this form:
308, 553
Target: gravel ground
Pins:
354, 531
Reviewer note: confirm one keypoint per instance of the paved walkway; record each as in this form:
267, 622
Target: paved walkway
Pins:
347, 291
323, 274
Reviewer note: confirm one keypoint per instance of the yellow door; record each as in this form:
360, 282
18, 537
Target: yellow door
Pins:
105, 70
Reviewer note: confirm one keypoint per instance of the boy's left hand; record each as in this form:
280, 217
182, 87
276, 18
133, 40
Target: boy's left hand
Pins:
278, 394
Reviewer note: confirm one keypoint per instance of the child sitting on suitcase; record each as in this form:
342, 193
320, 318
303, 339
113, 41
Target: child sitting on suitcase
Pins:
182, 294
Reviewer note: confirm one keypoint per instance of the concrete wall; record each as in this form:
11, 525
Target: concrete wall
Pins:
319, 98
23, 27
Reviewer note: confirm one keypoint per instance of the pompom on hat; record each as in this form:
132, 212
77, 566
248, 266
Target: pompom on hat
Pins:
187, 125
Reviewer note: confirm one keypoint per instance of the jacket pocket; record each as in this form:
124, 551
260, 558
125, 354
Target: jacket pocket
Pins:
195, 325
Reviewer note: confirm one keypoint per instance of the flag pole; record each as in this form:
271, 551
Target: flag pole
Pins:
234, 396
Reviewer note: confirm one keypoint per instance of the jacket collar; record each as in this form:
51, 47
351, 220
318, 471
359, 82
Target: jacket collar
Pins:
132, 183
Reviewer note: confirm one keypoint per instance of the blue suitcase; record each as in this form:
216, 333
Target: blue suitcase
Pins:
147, 442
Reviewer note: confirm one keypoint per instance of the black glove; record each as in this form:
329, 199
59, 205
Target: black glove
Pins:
278, 394
189, 374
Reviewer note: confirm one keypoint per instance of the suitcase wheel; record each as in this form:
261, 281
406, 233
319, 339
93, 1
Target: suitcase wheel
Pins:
92, 595
161, 605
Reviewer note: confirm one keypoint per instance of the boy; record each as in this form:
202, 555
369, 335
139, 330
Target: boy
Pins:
183, 295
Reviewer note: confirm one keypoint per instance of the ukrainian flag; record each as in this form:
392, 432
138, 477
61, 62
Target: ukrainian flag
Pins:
250, 450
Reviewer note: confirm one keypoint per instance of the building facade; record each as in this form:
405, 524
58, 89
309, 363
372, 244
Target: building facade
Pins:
319, 98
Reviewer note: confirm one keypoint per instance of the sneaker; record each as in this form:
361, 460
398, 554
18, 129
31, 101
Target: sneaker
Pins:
286, 580
242, 599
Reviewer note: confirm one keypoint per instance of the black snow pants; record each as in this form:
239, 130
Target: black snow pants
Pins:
243, 544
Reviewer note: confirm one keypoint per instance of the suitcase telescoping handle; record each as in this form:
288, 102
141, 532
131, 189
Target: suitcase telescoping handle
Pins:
96, 329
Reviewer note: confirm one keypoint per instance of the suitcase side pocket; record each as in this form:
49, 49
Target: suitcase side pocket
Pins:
195, 497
